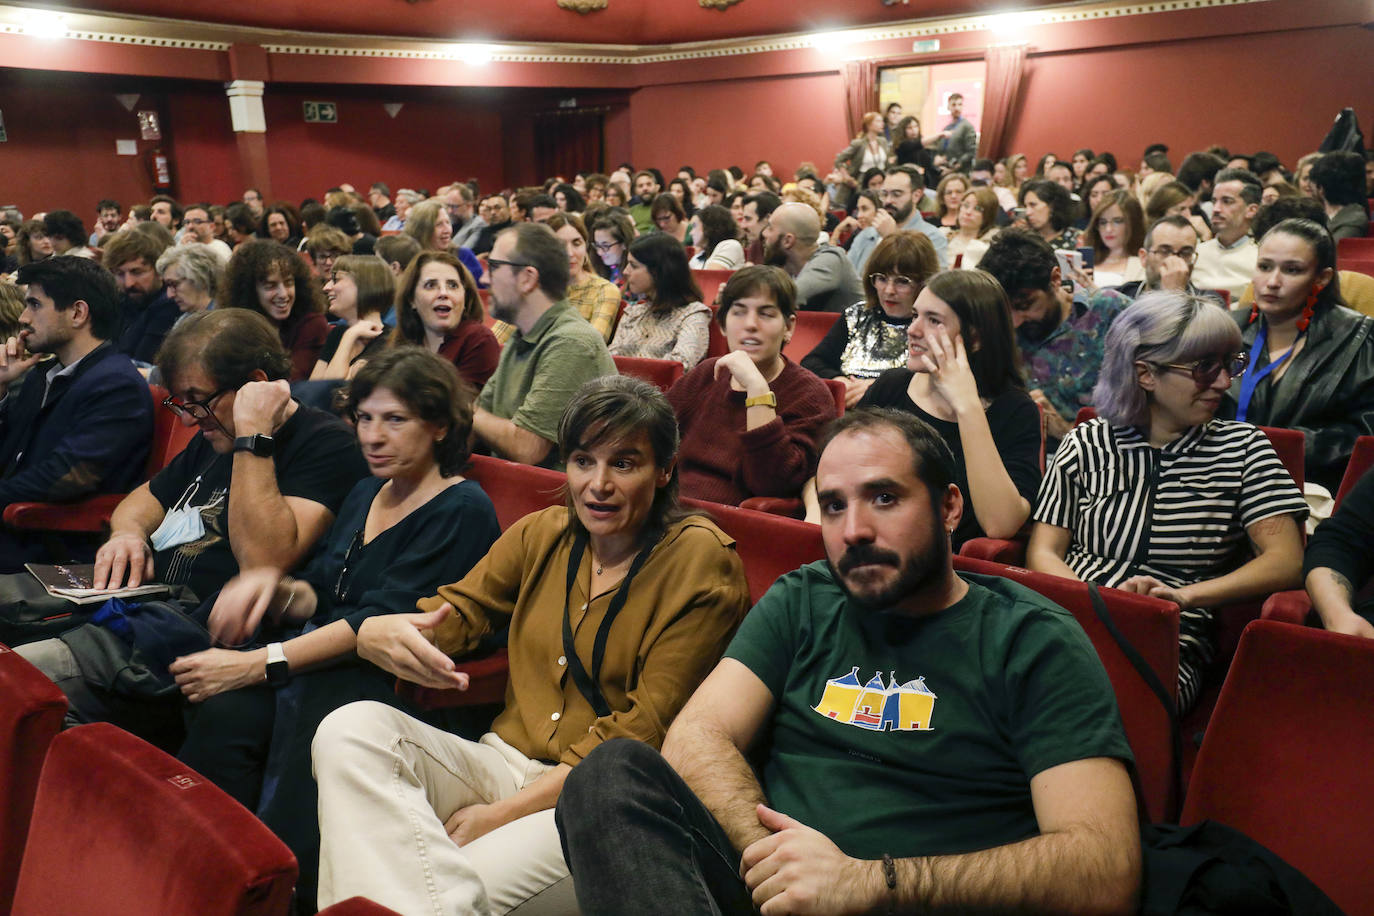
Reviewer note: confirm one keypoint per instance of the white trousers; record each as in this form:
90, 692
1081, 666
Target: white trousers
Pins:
388, 783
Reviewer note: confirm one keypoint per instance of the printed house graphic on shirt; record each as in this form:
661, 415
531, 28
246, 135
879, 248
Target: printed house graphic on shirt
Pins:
906, 707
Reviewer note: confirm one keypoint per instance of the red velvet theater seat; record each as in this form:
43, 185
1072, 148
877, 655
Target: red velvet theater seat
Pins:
31, 711
357, 906
122, 829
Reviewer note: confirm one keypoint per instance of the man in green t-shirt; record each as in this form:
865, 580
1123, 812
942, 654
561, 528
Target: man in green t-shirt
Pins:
919, 741
552, 352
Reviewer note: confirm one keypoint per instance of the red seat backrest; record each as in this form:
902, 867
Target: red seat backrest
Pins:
710, 282
1357, 247
716, 344
516, 490
661, 373
1289, 444
1361, 460
1151, 626
768, 545
30, 717
121, 828
1286, 757
837, 389
170, 435
810, 329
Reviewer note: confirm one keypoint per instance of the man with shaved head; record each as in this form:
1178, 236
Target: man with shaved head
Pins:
826, 281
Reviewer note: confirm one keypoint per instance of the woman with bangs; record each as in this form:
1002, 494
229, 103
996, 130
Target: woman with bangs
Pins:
870, 337
977, 225
1157, 496
670, 321
1116, 233
1311, 357
360, 289
438, 308
963, 377
268, 278
1174, 198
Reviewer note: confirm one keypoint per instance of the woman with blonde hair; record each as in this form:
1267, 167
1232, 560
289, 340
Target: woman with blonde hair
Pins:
977, 225
1017, 168
948, 196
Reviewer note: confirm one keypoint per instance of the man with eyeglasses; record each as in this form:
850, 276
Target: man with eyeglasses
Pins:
826, 281
200, 230
495, 212
551, 353
900, 190
81, 423
256, 488
1168, 257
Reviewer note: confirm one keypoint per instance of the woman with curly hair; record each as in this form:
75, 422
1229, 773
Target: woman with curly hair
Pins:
280, 223
271, 279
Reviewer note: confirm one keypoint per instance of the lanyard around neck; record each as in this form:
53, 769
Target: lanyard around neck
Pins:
1253, 377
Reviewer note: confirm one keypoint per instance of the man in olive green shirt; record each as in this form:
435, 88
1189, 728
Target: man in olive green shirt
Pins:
553, 351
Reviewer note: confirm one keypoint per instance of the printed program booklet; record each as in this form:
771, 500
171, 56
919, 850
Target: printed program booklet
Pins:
73, 582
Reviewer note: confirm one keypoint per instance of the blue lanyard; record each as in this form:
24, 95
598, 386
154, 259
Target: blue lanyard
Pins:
1251, 378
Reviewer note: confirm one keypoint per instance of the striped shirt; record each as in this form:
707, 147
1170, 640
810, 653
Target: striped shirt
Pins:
1179, 513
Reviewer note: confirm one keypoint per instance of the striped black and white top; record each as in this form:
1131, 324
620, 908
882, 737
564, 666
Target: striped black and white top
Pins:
1179, 513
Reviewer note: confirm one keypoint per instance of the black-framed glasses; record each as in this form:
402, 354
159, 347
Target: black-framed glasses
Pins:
196, 410
599, 246
1205, 371
350, 555
901, 283
1164, 252
494, 263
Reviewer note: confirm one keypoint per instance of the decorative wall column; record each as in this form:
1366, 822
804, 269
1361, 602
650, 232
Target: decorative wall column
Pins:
248, 66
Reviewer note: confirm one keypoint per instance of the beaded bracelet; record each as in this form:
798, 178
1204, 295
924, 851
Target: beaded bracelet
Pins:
890, 874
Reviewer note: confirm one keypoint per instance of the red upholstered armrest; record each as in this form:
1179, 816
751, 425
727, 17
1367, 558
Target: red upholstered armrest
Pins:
486, 685
90, 515
776, 505
1230, 622
358, 906
1011, 553
1289, 607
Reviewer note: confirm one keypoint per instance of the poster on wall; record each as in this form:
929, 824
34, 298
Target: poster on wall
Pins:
148, 127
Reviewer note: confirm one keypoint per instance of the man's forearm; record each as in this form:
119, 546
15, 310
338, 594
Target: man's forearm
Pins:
1082, 870
138, 514
1332, 594
717, 773
509, 440
263, 529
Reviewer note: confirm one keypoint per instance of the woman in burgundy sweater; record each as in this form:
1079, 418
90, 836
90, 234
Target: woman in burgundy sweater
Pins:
749, 420
437, 307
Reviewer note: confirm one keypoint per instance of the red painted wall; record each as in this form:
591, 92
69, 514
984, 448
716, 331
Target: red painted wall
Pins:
785, 120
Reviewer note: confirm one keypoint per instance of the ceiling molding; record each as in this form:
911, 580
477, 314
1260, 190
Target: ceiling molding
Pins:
184, 34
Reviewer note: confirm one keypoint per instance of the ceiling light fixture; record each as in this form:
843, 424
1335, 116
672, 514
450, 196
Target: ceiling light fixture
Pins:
474, 55
1010, 23
829, 42
44, 24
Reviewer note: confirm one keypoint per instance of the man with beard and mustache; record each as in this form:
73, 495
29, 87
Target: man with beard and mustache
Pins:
826, 281
931, 740
901, 188
146, 311
1060, 335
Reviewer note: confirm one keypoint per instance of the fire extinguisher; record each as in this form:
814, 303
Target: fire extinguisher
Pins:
162, 171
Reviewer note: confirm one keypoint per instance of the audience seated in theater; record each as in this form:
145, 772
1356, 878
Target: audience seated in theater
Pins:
429, 224
977, 216
856, 231
948, 195
240, 225
147, 311
1167, 256
1097, 188
715, 235
568, 198
396, 252
359, 290
907, 148
1173, 198
379, 196
1015, 172
401, 533
325, 244
669, 217
1158, 497
108, 214
1026, 807
1227, 261
355, 221
756, 210
487, 840
870, 337
166, 211
594, 297
80, 422
191, 274
668, 320
199, 229
646, 188
258, 486
750, 419
553, 352
467, 224
272, 280
1198, 173
1276, 189
12, 305
1059, 335
612, 234
902, 186
68, 234
405, 199
825, 279
1116, 233
1311, 358
1337, 565
280, 223
438, 308
31, 243
963, 377
1339, 179
1050, 213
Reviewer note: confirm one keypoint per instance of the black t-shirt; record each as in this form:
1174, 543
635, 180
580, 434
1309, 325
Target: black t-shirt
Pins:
1013, 420
336, 333
316, 457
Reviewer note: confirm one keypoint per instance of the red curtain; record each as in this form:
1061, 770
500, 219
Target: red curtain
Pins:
568, 142
860, 92
1003, 86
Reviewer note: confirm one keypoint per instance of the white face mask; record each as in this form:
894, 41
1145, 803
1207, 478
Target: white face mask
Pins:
182, 525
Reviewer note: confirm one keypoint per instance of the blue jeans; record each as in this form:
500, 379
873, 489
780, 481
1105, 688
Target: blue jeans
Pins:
636, 838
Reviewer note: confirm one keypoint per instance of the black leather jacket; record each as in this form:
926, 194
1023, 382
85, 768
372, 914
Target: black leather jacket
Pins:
1328, 392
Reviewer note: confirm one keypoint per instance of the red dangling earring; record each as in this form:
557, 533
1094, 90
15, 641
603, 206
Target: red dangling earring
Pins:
1306, 318
1254, 313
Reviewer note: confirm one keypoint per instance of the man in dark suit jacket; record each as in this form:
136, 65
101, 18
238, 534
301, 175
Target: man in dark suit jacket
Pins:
82, 422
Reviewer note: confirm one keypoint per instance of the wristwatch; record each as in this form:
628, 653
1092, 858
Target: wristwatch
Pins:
763, 400
278, 670
259, 445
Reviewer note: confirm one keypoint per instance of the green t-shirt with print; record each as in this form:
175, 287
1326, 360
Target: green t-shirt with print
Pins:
919, 736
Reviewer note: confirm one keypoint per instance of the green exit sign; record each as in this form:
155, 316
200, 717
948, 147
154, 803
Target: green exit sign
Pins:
925, 46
